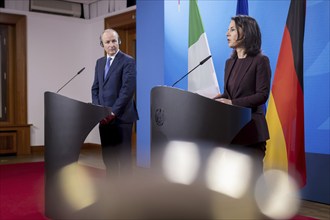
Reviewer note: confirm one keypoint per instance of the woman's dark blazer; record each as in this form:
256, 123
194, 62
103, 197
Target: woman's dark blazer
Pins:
118, 88
251, 90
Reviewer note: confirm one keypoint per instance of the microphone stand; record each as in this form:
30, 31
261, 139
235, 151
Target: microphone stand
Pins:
185, 75
200, 63
70, 79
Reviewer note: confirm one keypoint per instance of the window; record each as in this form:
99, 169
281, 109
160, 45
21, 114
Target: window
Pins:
3, 72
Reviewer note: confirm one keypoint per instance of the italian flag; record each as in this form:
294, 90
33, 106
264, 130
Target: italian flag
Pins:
202, 80
285, 114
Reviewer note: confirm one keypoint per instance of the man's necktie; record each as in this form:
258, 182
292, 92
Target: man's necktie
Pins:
107, 67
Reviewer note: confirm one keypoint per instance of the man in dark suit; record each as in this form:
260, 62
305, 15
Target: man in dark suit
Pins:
114, 86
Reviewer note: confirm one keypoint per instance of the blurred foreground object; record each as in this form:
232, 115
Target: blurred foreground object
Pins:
220, 185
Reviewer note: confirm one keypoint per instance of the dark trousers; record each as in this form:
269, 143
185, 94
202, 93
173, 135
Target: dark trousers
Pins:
116, 144
258, 152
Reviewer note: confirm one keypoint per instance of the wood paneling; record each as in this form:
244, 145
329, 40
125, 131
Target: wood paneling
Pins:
126, 20
8, 142
17, 84
15, 139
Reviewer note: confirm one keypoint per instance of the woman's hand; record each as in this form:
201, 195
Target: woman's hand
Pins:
226, 101
217, 96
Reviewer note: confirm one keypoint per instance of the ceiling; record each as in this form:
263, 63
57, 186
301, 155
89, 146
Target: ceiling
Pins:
81, 1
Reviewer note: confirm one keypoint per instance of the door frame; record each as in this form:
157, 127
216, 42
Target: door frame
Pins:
125, 24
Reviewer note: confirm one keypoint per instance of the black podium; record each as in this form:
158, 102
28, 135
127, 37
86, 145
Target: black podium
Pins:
67, 124
180, 115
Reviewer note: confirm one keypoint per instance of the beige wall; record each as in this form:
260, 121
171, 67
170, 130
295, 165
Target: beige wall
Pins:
57, 48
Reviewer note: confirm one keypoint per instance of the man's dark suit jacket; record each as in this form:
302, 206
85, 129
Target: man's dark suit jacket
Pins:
251, 90
117, 89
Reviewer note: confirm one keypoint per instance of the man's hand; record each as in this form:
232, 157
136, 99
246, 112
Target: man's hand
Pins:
108, 119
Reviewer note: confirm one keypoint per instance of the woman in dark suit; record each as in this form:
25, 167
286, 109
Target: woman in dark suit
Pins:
247, 82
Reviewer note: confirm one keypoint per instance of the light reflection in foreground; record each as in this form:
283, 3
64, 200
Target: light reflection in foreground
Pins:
77, 186
277, 195
181, 162
195, 182
229, 172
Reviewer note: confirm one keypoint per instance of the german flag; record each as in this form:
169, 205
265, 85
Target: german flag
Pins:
285, 113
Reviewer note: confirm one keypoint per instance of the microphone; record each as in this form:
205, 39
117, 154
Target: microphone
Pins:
71, 79
206, 59
200, 63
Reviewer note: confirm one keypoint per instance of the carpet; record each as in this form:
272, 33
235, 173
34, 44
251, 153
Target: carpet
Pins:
22, 191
